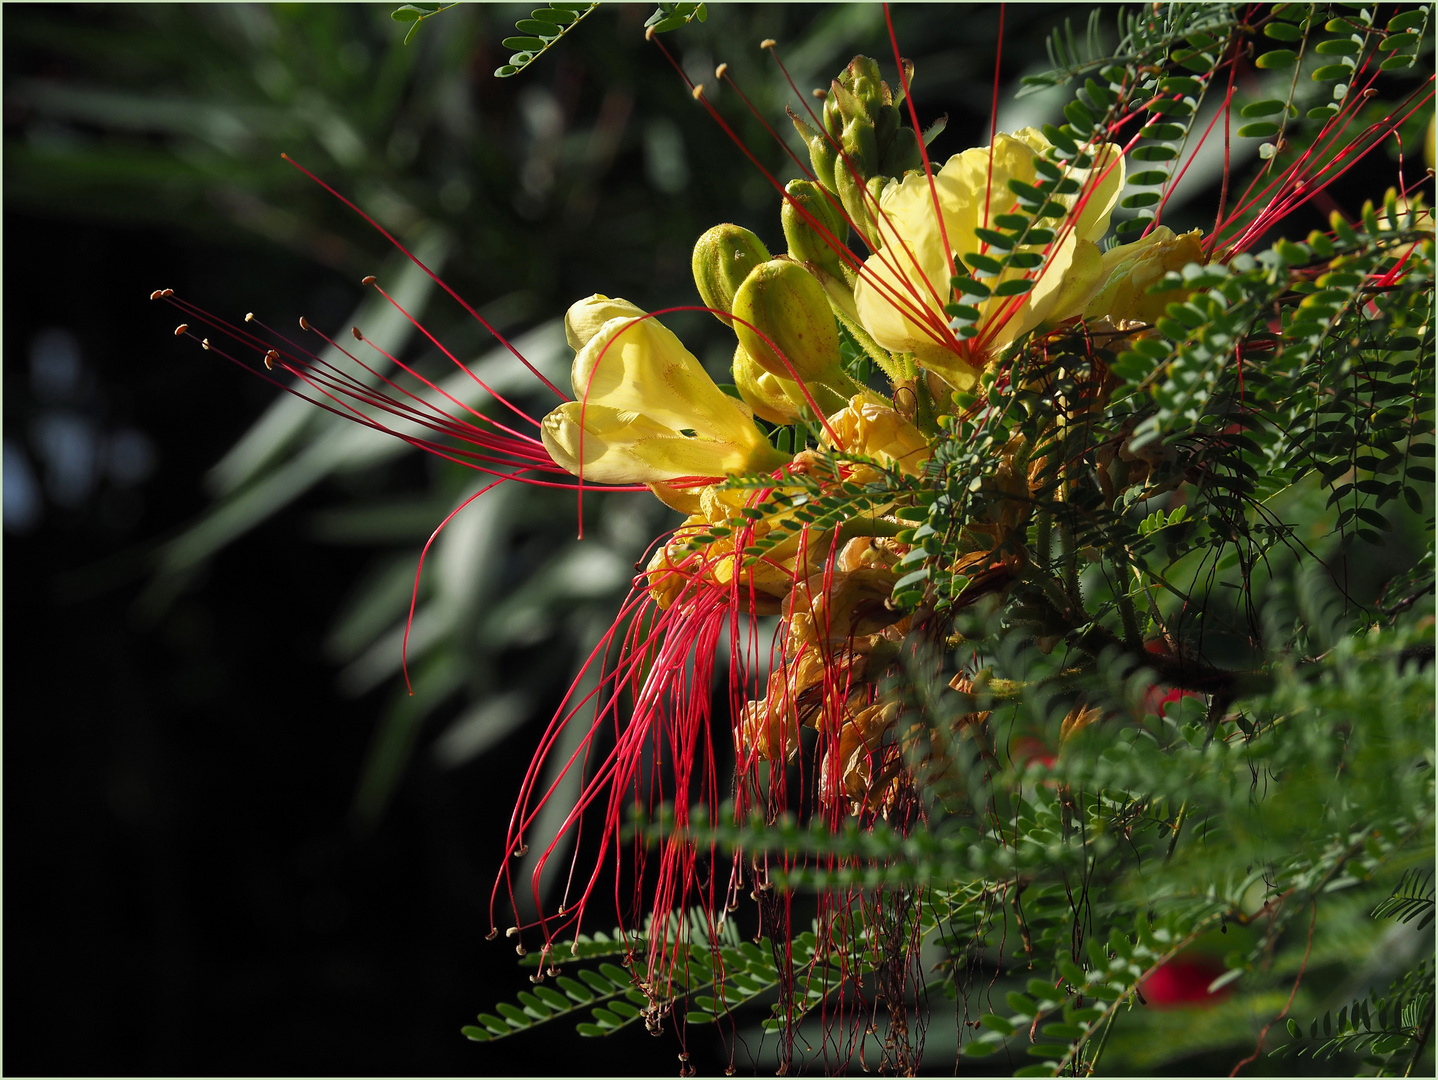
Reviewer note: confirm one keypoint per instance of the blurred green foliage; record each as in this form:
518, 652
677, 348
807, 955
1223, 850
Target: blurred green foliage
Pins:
588, 174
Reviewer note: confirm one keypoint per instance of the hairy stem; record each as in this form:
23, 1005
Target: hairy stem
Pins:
894, 367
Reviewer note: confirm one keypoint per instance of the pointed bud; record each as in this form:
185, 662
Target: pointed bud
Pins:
806, 207
863, 116
723, 258
783, 302
822, 155
901, 153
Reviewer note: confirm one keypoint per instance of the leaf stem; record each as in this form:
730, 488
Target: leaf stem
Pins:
1102, 1040
1177, 828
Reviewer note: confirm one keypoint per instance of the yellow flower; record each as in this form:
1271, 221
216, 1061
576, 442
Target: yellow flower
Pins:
903, 287
1128, 270
764, 581
877, 431
646, 411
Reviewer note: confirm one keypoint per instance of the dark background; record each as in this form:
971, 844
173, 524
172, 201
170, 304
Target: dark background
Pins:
193, 886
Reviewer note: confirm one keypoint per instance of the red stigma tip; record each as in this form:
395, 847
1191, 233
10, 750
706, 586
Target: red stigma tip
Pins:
181, 328
167, 292
368, 279
270, 357
304, 323
156, 295
355, 330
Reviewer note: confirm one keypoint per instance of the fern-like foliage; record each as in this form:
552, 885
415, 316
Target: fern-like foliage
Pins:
414, 14
711, 976
1387, 1031
545, 26
671, 16
542, 30
1411, 899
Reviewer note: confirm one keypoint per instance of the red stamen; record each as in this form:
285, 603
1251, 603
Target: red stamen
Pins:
432, 275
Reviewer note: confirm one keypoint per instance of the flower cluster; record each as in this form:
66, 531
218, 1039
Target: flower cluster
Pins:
940, 298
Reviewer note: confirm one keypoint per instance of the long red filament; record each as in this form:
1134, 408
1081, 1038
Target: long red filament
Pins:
432, 275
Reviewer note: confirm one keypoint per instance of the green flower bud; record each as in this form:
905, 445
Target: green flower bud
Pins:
807, 243
858, 201
863, 116
783, 401
822, 155
723, 258
784, 302
901, 153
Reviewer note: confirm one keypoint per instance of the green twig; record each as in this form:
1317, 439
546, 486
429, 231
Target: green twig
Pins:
1177, 828
894, 367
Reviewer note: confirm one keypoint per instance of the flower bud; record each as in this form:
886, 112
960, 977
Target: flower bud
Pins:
1126, 272
822, 155
856, 136
858, 202
584, 318
783, 302
723, 258
863, 116
776, 400
806, 204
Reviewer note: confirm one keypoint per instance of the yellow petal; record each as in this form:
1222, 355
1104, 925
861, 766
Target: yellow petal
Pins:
684, 499
641, 367
1076, 285
1128, 270
776, 400
903, 288
612, 446
877, 431
584, 318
